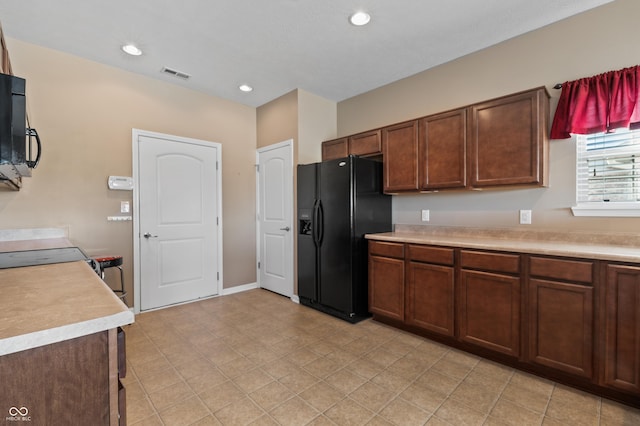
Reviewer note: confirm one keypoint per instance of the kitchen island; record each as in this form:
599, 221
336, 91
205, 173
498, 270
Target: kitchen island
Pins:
61, 355
562, 305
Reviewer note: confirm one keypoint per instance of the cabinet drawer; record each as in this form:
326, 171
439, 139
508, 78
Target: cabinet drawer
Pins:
562, 269
430, 254
379, 248
486, 261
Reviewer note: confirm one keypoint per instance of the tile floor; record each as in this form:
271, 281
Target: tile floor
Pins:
258, 358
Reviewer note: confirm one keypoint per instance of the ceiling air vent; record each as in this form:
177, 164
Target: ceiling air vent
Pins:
175, 73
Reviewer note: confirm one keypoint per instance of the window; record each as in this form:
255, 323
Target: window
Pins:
608, 174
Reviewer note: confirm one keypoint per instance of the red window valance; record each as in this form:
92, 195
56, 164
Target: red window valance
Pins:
598, 104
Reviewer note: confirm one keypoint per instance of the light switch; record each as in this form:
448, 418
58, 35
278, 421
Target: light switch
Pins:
124, 207
425, 215
525, 217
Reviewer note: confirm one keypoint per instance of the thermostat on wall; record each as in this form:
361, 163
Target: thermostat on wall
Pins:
121, 182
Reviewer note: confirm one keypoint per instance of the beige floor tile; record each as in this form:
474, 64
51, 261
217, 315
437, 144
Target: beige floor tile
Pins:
271, 395
365, 368
401, 412
533, 383
426, 398
526, 397
153, 420
237, 367
209, 420
458, 413
323, 366
407, 367
139, 410
160, 380
508, 413
379, 421
298, 381
184, 412
170, 395
321, 396
240, 412
345, 381
252, 380
294, 411
382, 356
372, 396
152, 367
221, 395
206, 381
573, 406
195, 367
615, 413
439, 382
348, 412
391, 381
451, 368
478, 397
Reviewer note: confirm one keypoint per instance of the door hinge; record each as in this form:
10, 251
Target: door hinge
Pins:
258, 265
218, 276
258, 168
216, 165
217, 220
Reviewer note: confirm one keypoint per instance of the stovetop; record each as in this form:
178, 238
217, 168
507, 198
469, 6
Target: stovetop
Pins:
16, 259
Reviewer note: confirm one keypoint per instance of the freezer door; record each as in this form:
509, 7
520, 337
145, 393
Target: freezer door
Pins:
307, 251
335, 289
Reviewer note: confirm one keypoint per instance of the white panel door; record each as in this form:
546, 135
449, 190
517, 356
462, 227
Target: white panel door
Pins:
275, 210
178, 220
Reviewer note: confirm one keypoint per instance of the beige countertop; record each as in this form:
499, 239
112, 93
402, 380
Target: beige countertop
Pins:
45, 304
620, 248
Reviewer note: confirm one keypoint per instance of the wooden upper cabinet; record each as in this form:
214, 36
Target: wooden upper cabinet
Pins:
443, 141
508, 143
400, 151
337, 148
366, 144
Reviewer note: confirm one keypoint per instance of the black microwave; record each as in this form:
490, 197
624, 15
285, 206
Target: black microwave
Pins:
17, 157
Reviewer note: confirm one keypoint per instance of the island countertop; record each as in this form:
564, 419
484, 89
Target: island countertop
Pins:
45, 304
609, 247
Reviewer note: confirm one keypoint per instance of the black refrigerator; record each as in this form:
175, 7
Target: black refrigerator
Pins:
339, 201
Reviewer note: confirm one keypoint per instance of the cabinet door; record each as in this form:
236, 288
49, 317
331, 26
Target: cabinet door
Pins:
508, 140
430, 297
443, 141
338, 148
489, 311
400, 150
560, 326
366, 144
386, 287
622, 328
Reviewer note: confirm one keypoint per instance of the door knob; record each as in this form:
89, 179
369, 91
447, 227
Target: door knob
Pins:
148, 235
286, 228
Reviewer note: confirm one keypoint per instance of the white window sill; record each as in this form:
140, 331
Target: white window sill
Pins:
607, 209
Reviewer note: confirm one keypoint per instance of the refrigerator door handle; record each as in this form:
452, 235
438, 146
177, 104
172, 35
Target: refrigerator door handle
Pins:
314, 223
320, 223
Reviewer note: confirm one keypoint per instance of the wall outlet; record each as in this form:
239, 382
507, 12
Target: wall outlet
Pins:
525, 217
425, 215
124, 207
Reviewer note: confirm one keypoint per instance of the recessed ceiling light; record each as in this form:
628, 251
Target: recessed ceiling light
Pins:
360, 18
245, 88
132, 50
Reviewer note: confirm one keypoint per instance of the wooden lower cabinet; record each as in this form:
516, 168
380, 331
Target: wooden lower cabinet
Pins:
489, 311
66, 383
622, 328
561, 326
386, 280
576, 321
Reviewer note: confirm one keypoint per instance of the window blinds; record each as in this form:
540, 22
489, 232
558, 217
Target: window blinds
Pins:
608, 167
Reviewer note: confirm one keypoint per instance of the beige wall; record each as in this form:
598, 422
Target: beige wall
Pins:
316, 123
84, 112
600, 40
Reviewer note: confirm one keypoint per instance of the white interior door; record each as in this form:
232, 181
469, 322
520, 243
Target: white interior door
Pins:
178, 227
275, 211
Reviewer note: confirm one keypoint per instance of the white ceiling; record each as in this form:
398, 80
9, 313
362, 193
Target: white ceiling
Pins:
278, 45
